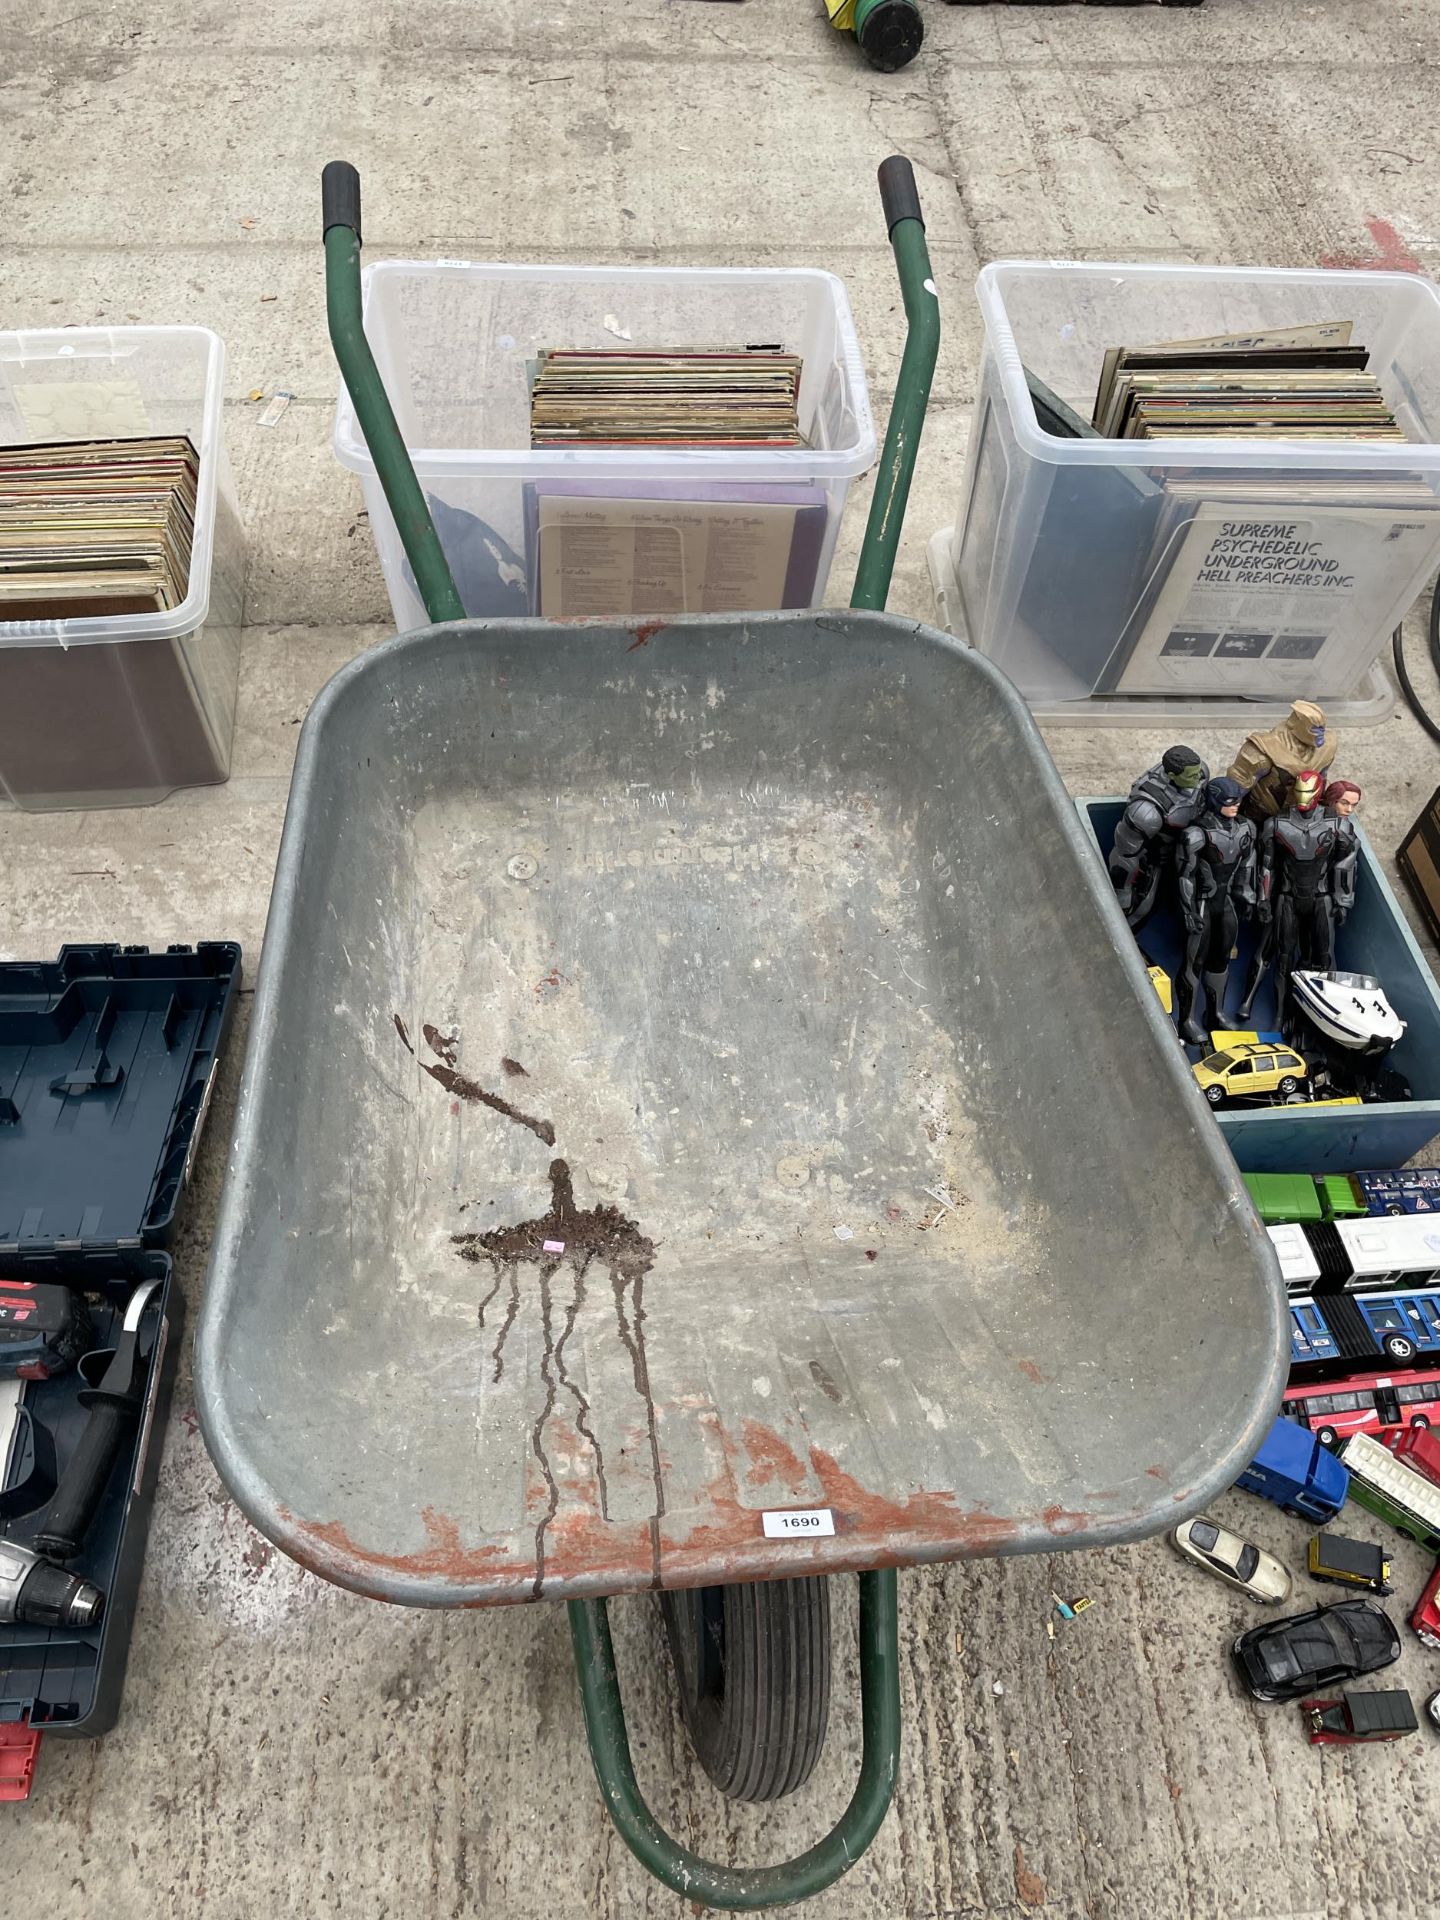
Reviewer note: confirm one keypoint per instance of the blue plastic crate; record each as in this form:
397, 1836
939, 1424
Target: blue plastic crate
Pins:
1375, 939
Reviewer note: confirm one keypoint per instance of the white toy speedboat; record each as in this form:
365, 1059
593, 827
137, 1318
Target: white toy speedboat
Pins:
1348, 1008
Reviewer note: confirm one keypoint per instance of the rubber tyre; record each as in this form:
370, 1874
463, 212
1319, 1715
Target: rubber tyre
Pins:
1288, 1085
1397, 1347
752, 1664
1328, 1437
1214, 1095
1421, 1420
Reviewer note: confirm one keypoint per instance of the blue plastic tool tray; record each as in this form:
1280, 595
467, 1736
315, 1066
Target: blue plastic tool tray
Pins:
1375, 939
107, 1060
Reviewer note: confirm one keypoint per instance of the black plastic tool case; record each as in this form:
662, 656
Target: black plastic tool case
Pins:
107, 1061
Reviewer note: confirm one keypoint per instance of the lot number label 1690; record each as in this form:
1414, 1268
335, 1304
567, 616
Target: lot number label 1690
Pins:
799, 1523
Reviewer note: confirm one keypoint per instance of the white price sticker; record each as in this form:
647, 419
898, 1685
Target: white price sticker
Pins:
799, 1523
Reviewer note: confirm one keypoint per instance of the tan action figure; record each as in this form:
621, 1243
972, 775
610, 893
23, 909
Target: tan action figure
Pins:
1267, 763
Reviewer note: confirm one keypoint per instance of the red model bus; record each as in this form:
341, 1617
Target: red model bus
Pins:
1418, 1448
1426, 1617
1365, 1403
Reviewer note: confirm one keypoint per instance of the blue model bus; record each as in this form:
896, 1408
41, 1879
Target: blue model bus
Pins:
1403, 1324
1394, 1326
1410, 1190
1310, 1337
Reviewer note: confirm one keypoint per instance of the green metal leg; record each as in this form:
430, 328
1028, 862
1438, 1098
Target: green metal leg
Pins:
748, 1889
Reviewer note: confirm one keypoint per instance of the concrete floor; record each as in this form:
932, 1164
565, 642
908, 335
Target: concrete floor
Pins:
285, 1748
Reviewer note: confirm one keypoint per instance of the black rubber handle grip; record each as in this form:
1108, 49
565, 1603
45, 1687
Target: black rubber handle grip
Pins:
899, 195
340, 197
84, 1480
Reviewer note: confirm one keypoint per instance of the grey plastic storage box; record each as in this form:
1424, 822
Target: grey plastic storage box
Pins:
1375, 939
119, 710
1065, 560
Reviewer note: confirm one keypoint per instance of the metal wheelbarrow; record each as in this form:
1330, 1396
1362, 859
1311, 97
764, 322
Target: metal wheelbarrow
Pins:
706, 1129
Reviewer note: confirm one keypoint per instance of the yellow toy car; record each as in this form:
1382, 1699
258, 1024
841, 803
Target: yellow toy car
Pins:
1249, 1069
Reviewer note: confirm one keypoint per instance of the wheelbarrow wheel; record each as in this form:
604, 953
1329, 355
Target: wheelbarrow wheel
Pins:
752, 1664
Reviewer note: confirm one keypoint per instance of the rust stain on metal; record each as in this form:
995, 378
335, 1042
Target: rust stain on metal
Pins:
644, 633
513, 1068
576, 1541
572, 1452
922, 1518
404, 1033
1031, 1372
445, 1555
1060, 1521
771, 1459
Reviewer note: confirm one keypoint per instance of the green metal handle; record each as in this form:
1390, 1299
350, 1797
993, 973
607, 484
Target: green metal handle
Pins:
912, 389
748, 1889
340, 187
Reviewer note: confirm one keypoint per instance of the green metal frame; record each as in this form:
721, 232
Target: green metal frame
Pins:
907, 416
377, 419
747, 1889
741, 1888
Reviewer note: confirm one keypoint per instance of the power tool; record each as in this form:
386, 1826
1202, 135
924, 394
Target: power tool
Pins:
44, 1329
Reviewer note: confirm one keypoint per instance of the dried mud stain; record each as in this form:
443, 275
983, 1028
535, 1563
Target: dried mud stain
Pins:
444, 1071
567, 1241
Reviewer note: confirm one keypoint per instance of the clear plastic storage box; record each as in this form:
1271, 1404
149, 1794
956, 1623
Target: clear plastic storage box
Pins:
1087, 568
119, 710
457, 345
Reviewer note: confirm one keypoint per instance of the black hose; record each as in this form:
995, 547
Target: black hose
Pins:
1402, 673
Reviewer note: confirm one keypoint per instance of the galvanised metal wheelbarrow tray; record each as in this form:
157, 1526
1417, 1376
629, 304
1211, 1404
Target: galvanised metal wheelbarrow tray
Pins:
705, 1129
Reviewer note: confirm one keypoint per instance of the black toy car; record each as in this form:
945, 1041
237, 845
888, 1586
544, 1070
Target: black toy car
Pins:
1306, 1651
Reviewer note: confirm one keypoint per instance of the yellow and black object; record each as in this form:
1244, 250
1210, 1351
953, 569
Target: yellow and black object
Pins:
889, 31
1349, 1563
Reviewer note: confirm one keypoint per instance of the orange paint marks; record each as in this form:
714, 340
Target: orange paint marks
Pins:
1391, 254
1060, 1521
919, 1519
326, 1547
771, 1459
